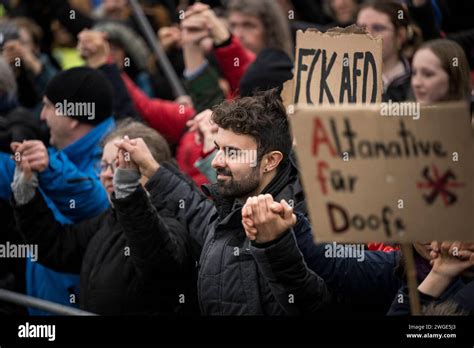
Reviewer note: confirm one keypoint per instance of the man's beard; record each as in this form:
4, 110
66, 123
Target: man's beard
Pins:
231, 188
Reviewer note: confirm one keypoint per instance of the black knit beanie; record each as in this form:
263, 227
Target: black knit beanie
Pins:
82, 93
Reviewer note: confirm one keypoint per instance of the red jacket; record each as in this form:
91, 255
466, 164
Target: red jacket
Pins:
382, 247
167, 117
233, 60
187, 153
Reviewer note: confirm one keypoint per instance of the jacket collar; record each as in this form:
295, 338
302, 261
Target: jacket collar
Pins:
7, 103
404, 77
90, 141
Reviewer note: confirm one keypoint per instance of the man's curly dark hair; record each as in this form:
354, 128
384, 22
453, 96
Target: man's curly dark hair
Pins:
262, 117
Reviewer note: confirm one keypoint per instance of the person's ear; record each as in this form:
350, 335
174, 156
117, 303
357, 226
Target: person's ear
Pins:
271, 161
73, 124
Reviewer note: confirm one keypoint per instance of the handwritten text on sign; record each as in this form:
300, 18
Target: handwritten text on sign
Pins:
372, 178
337, 68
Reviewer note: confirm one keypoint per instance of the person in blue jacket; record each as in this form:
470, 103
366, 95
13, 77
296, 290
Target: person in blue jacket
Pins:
78, 111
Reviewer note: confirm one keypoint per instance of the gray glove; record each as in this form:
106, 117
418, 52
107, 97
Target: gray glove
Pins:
23, 189
126, 182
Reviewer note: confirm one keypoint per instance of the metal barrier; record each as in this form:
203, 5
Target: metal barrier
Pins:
28, 301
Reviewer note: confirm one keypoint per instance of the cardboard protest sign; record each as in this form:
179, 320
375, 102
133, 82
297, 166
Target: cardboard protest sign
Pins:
370, 178
339, 66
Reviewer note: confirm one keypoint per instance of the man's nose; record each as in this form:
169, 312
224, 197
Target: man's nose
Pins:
107, 173
219, 160
238, 33
43, 114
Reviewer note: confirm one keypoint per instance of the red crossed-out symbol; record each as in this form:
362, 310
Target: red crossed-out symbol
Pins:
439, 185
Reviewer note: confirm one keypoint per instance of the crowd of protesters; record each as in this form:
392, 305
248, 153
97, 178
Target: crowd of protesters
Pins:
143, 202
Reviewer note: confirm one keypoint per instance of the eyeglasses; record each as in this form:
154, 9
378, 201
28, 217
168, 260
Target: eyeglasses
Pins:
105, 165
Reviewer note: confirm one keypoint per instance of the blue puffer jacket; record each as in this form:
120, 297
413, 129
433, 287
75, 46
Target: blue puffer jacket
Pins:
72, 190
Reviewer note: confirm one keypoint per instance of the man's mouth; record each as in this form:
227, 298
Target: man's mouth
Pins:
222, 174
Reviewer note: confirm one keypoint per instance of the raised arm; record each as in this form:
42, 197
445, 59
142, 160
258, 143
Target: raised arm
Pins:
157, 245
59, 247
269, 225
75, 192
168, 187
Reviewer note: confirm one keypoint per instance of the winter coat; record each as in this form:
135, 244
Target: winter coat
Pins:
367, 286
227, 55
166, 117
72, 190
203, 87
131, 259
236, 276
359, 286
399, 89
